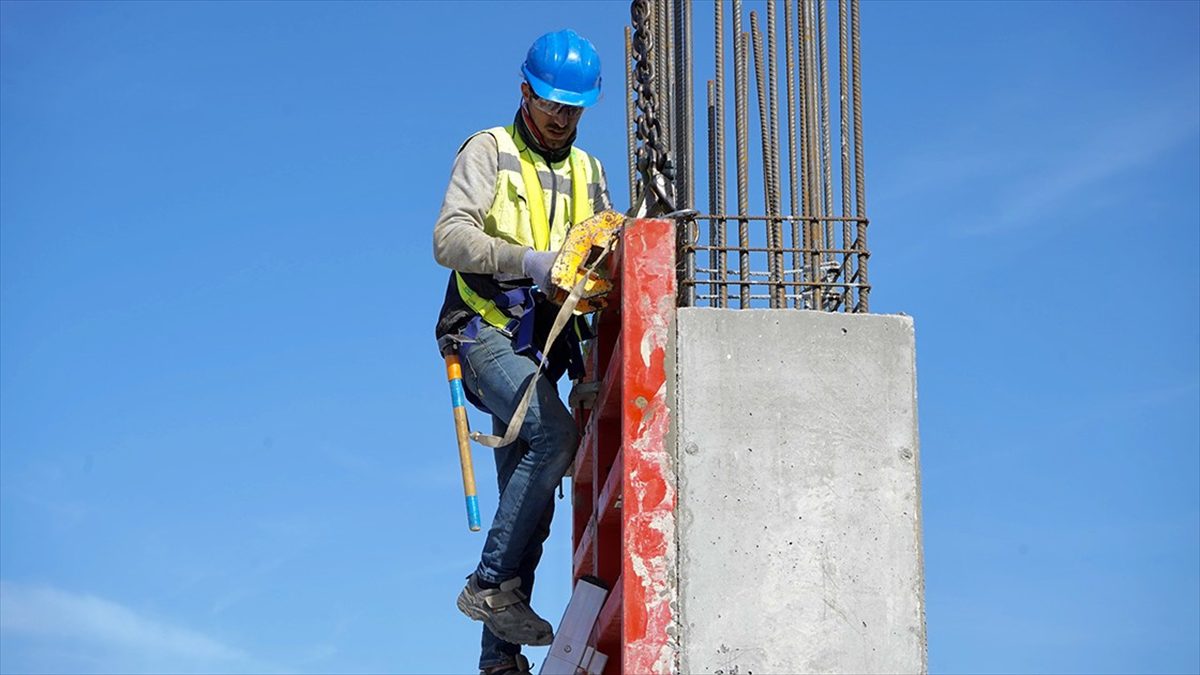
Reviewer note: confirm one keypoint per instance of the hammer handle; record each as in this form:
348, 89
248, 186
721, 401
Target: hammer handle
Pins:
458, 399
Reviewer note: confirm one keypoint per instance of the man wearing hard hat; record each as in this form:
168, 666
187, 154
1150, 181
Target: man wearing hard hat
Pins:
514, 192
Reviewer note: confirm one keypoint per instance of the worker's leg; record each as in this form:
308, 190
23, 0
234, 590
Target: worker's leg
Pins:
507, 459
498, 376
496, 652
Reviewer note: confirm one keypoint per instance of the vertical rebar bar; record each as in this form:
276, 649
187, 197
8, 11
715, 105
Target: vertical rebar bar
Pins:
790, 72
817, 236
860, 192
808, 156
742, 103
844, 140
718, 166
669, 85
684, 148
662, 33
668, 17
826, 163
802, 145
629, 116
800, 227
764, 126
711, 111
772, 92
775, 227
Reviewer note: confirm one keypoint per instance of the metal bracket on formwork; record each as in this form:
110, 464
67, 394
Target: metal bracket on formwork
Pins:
583, 395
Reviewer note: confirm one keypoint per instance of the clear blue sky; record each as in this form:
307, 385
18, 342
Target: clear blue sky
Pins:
226, 442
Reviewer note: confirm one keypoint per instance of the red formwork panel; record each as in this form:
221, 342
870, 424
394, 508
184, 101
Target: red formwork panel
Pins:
599, 445
624, 502
648, 495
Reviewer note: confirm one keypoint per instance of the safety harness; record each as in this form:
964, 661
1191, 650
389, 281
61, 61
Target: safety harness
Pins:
513, 312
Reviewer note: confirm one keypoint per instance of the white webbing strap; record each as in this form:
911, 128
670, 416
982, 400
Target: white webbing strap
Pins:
564, 314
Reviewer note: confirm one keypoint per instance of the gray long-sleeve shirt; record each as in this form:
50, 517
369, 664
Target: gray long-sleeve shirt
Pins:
459, 241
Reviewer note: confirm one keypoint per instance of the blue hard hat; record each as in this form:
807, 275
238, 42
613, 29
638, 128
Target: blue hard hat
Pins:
563, 67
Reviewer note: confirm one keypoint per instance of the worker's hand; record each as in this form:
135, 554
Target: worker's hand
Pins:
536, 265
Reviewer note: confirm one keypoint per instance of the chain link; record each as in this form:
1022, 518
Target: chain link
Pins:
654, 165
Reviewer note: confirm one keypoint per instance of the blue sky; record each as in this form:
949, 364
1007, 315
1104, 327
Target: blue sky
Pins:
225, 443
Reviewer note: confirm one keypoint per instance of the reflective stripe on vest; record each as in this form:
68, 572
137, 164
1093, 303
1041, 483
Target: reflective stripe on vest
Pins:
517, 217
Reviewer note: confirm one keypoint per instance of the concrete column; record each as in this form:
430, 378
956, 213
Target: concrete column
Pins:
798, 512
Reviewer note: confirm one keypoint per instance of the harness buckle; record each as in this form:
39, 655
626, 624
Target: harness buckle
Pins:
510, 329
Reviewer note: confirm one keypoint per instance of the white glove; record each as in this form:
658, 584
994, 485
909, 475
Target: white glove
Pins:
536, 265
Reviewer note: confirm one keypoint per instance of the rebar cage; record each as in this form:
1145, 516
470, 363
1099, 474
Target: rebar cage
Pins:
813, 255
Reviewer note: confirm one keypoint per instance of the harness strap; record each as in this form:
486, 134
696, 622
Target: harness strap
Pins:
483, 307
514, 299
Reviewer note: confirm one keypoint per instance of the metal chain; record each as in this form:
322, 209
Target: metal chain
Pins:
653, 159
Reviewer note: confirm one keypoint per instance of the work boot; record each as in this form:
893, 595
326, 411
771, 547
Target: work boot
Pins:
506, 612
519, 666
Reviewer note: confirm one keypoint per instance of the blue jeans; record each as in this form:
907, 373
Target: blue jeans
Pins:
528, 470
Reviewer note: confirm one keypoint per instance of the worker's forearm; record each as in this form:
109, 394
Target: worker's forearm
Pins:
460, 245
459, 241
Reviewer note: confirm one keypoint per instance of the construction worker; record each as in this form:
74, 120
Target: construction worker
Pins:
514, 192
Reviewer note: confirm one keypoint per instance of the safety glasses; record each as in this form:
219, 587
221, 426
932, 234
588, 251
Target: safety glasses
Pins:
556, 109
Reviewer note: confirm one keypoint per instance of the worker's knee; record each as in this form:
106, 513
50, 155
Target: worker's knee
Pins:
554, 423
567, 447
556, 437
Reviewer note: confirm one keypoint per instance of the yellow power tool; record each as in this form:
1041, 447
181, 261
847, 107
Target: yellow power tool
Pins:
586, 242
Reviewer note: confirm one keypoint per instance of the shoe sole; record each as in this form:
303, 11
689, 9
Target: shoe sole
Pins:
517, 637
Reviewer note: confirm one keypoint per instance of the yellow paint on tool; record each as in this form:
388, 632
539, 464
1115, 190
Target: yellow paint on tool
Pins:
584, 244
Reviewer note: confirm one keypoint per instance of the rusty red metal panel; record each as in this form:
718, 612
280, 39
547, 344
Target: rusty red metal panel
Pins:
597, 545
648, 504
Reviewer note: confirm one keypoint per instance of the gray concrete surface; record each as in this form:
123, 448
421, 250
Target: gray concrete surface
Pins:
799, 493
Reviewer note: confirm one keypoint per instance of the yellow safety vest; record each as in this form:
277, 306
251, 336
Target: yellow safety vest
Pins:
516, 218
